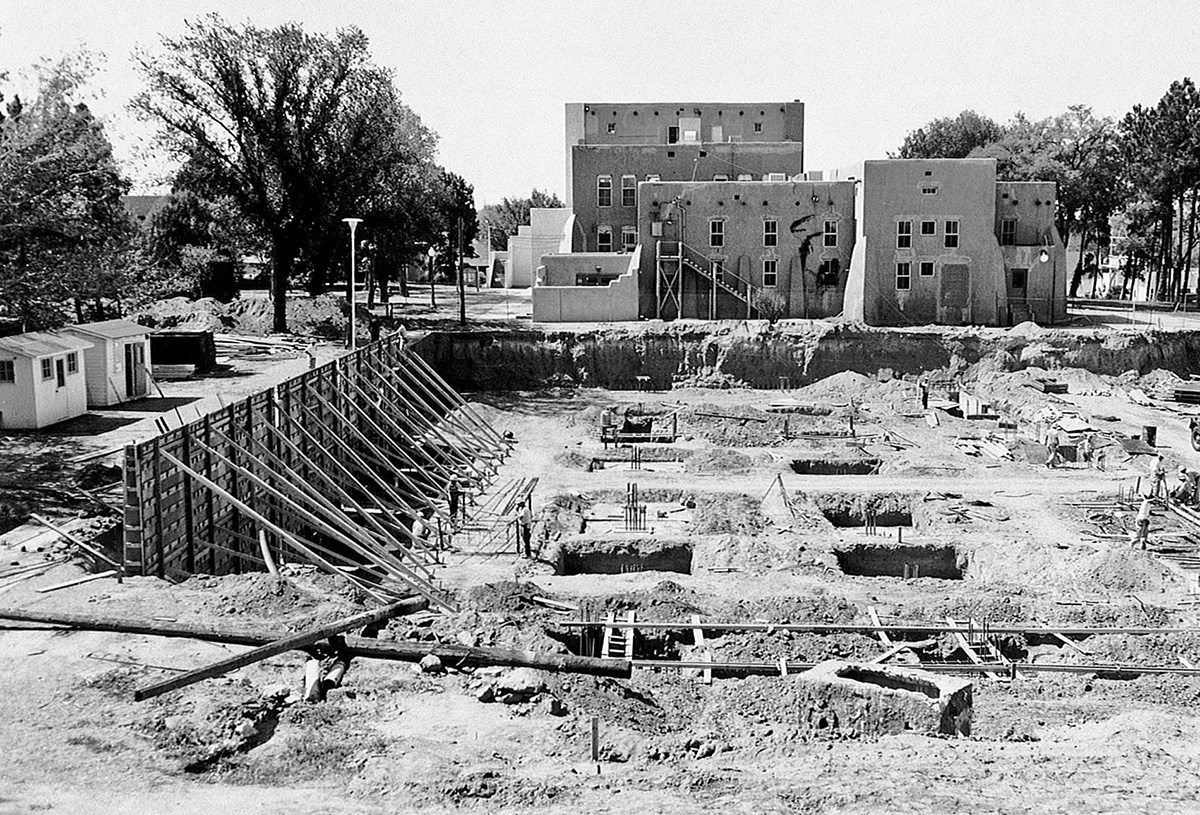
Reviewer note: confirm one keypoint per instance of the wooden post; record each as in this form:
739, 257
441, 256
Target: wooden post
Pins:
596, 739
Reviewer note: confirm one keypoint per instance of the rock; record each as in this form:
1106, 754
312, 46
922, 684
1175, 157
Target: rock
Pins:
487, 695
555, 707
430, 664
511, 698
245, 730
467, 638
526, 681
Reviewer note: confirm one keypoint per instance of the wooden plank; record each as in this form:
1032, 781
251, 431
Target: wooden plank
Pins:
87, 578
879, 632
290, 643
93, 551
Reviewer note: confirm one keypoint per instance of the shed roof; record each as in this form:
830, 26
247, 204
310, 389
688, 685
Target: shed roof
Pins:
41, 344
110, 329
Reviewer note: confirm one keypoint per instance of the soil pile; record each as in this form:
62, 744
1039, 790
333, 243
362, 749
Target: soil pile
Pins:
1123, 569
719, 460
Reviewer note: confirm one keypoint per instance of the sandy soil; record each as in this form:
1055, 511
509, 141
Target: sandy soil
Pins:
396, 740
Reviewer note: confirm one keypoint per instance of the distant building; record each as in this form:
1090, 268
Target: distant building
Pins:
118, 360
143, 208
41, 380
945, 243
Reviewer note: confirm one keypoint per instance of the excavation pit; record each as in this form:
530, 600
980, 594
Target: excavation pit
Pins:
877, 560
624, 557
833, 466
846, 510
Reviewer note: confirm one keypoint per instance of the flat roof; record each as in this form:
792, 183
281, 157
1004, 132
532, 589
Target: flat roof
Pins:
110, 329
41, 344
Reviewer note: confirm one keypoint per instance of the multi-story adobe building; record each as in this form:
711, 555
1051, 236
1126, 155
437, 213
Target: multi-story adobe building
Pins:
611, 148
709, 247
945, 243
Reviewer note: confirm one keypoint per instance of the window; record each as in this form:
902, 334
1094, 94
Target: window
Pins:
758, 127
827, 274
653, 177
612, 127
716, 232
628, 238
830, 233
629, 190
720, 177
928, 227
903, 276
604, 191
47, 369
73, 363
928, 190
718, 270
604, 239
1020, 278
904, 234
951, 234
770, 233
1008, 231
7, 371
926, 268
672, 134
745, 177
770, 273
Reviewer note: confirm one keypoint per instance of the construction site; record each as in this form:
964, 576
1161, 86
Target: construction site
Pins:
807, 567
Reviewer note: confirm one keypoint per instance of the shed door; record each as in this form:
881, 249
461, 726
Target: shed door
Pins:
135, 370
60, 370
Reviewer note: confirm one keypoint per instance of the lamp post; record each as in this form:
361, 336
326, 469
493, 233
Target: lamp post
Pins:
432, 296
353, 224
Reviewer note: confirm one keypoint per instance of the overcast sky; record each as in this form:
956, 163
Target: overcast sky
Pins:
491, 77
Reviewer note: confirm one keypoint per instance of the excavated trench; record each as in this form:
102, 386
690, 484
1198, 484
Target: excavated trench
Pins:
834, 466
884, 560
623, 557
882, 509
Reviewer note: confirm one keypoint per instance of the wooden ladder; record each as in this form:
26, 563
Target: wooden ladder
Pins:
618, 641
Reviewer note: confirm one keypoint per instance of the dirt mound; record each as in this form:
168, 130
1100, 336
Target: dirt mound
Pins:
323, 316
719, 460
574, 460
718, 514
1159, 382
257, 594
505, 597
666, 602
760, 646
1123, 569
817, 607
732, 425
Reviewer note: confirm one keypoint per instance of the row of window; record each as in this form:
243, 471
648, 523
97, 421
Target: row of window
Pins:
716, 233
904, 273
604, 239
8, 371
904, 233
604, 190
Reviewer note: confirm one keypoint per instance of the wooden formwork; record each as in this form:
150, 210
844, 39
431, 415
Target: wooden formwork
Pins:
369, 440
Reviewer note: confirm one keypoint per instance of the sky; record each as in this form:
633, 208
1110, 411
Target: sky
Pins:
491, 77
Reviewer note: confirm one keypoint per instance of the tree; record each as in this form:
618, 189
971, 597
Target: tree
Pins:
769, 304
503, 219
62, 222
457, 218
950, 138
298, 130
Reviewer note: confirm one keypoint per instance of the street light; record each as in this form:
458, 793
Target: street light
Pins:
353, 224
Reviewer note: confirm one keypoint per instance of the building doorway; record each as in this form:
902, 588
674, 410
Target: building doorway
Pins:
135, 370
60, 370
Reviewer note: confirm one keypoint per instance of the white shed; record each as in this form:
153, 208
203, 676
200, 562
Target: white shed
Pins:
41, 379
118, 360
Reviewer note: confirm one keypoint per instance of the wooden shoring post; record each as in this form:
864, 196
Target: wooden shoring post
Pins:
305, 548
357, 460
313, 468
447, 401
408, 482
189, 526
290, 643
233, 482
387, 438
380, 558
293, 481
404, 434
338, 559
455, 398
432, 421
155, 452
209, 509
442, 413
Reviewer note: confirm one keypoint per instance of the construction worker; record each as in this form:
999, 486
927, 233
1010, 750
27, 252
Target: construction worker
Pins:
1158, 486
1100, 457
1185, 491
1085, 451
526, 523
456, 500
1141, 528
1053, 457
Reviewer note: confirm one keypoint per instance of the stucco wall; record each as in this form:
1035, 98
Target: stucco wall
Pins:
546, 233
966, 192
676, 162
1031, 204
559, 300
799, 210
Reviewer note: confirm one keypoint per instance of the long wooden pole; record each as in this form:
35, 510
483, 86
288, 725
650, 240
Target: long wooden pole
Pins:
455, 398
442, 411
279, 646
911, 628
444, 397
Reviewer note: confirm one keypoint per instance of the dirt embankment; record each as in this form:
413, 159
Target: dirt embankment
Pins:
756, 355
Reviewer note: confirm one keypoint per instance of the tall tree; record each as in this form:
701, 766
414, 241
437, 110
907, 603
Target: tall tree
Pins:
459, 224
503, 219
299, 130
61, 216
950, 137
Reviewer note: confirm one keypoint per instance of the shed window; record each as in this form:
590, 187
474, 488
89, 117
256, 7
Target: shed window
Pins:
47, 368
73, 363
8, 372
903, 276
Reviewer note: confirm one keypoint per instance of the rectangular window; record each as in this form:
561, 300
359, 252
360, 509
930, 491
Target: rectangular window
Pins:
604, 191
770, 233
1020, 278
758, 127
672, 134
8, 371
928, 227
720, 177
831, 234
716, 232
612, 127
928, 190
951, 234
629, 190
903, 276
73, 363
1008, 231
904, 234
628, 238
604, 240
770, 273
926, 268
653, 177
47, 369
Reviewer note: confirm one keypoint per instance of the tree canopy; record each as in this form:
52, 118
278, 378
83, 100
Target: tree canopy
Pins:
950, 137
297, 130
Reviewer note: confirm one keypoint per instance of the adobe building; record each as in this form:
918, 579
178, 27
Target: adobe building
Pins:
612, 148
945, 243
709, 247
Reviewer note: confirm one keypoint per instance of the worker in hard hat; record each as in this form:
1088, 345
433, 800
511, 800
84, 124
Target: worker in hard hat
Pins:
1141, 527
1185, 490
